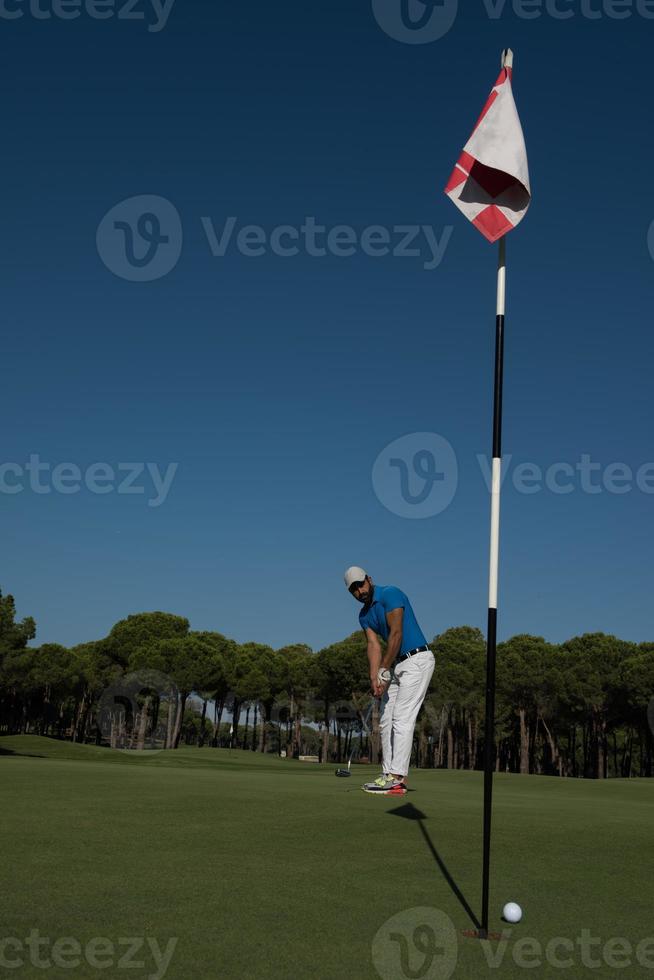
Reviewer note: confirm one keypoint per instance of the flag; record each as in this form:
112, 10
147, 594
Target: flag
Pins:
490, 182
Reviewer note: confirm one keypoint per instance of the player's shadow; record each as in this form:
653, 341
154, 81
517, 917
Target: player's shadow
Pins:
410, 812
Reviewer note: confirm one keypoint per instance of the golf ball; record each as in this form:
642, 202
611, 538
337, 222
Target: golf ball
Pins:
512, 912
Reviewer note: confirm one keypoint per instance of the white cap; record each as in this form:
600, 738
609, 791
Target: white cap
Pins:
354, 574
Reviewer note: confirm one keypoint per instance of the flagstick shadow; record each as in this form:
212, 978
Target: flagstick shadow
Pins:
410, 812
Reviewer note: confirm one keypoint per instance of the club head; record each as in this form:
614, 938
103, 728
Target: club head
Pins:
343, 772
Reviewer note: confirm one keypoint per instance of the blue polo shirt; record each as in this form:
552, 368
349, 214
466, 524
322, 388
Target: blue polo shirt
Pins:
385, 598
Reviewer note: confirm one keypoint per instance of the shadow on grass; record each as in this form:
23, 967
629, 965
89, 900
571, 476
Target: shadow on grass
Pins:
22, 755
410, 812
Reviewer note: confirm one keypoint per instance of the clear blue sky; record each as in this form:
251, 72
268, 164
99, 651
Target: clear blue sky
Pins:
275, 382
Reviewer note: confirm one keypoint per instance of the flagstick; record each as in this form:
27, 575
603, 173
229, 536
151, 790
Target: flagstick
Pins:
489, 756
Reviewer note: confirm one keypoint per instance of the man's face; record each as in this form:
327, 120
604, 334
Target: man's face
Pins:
362, 591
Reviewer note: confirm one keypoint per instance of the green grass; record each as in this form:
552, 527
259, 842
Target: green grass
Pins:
267, 868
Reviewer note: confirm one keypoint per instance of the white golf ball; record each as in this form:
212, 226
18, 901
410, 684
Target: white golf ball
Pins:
512, 912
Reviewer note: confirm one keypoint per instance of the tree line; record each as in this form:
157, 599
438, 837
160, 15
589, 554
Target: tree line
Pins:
577, 709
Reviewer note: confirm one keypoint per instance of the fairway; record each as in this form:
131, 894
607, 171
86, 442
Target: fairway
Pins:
266, 868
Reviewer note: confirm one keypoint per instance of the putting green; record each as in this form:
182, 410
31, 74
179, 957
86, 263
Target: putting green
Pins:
265, 868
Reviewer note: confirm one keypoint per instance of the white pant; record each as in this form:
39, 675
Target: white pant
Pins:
399, 710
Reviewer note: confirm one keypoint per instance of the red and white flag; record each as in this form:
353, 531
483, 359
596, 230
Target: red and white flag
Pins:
490, 182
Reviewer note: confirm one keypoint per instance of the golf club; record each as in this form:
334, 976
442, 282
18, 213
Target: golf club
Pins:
346, 772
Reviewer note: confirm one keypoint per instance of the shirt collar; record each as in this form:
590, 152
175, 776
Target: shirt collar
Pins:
376, 590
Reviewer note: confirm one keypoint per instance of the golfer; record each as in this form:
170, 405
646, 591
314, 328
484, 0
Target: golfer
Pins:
400, 676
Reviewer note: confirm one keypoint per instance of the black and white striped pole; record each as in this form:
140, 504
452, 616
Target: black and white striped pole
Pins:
493, 166
491, 640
